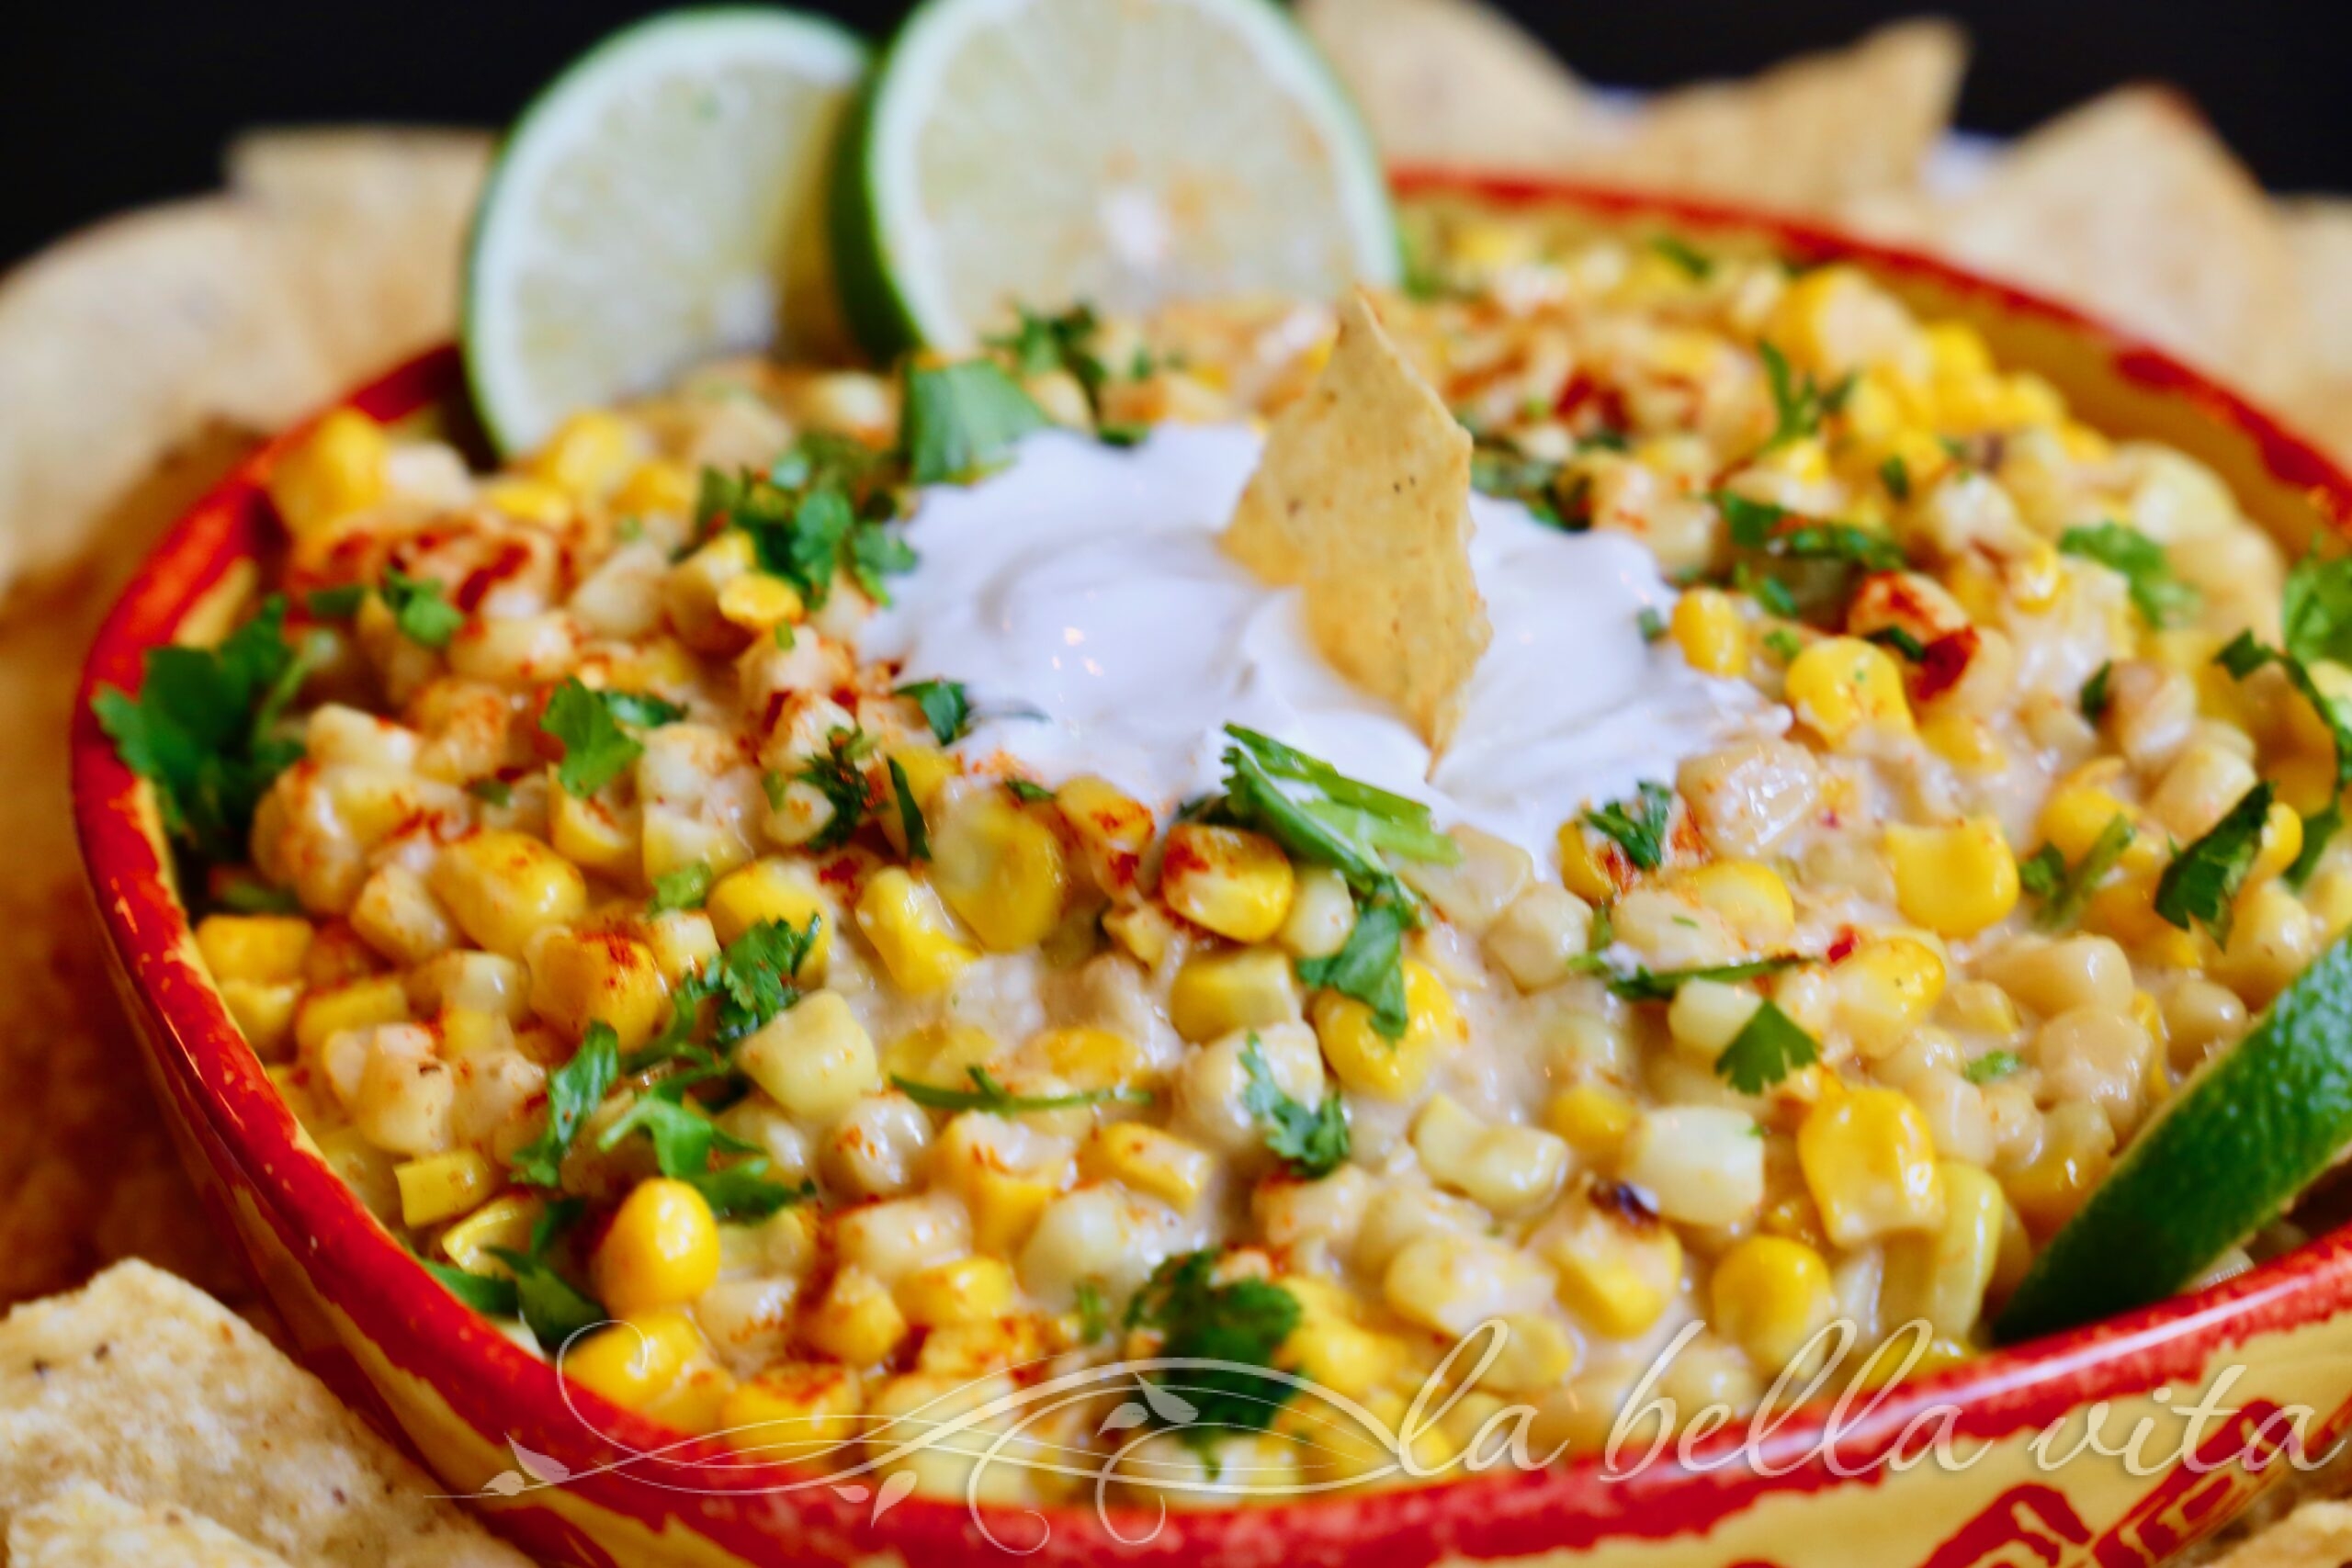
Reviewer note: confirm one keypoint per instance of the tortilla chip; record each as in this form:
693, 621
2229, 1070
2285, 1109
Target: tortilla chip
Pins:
2130, 209
1807, 134
2319, 240
1452, 83
1363, 496
2317, 1535
146, 1386
88, 1526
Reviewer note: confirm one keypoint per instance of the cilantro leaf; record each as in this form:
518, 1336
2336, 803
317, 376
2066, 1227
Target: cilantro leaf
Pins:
947, 707
1311, 1144
752, 977
1901, 642
1693, 261
1551, 494
840, 776
1895, 475
555, 1310
339, 603
486, 1293
877, 552
1775, 530
2041, 873
492, 792
2068, 892
685, 888
961, 419
1652, 624
2095, 697
1242, 1322
1799, 404
1768, 1046
987, 1094
1334, 821
1659, 986
2160, 597
822, 509
2202, 881
1369, 966
683, 1135
424, 616
1028, 790
2316, 611
587, 723
574, 1089
1093, 1312
910, 820
745, 1190
1992, 1067
1638, 826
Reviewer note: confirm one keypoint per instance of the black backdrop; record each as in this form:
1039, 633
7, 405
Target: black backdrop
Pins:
105, 103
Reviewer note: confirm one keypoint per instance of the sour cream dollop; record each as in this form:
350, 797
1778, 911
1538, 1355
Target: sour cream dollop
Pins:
1083, 599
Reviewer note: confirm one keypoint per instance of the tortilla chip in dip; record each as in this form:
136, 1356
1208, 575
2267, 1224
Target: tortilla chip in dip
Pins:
1364, 497
88, 1526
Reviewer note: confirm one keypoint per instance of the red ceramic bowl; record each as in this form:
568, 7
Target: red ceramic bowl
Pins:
1810, 1491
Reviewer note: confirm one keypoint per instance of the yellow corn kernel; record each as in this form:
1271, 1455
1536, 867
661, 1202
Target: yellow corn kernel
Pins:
2125, 909
635, 1362
588, 455
1771, 1296
1593, 1118
1000, 868
341, 468
1537, 1354
1871, 1166
1005, 1206
584, 977
1955, 880
1956, 349
1087, 1058
1147, 930
2077, 1148
1167, 1167
2033, 576
926, 769
2330, 896
1750, 896
1618, 1283
1217, 993
904, 921
1808, 319
800, 1412
1480, 245
858, 1322
690, 594
1941, 1276
1591, 867
816, 1060
440, 1187
994, 1345
1842, 686
940, 1053
324, 1014
506, 1221
1965, 740
1230, 880
656, 486
759, 603
264, 1013
529, 499
2282, 841
594, 834
968, 1290
1342, 1356
1368, 1061
1114, 830
2075, 815
1707, 627
775, 890
501, 887
254, 947
1885, 989
660, 1250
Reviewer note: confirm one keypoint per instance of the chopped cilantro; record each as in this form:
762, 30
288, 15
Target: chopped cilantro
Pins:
1638, 826
1799, 404
1546, 488
1768, 590
587, 723
1332, 821
751, 978
1369, 966
1659, 986
683, 1135
1768, 1046
1992, 1067
1652, 623
1895, 475
1093, 1312
987, 1094
2065, 892
1028, 790
947, 707
1310, 1142
2202, 881
840, 776
745, 1190
424, 616
2041, 873
555, 1310
1043, 343
2316, 614
685, 888
1693, 261
493, 792
339, 603
1784, 644
574, 1089
491, 1295
825, 507
2096, 697
248, 895
1242, 1322
1775, 530
910, 820
963, 419
2161, 597
1901, 641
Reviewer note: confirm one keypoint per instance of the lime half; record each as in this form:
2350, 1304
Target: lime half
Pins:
1119, 153
2225, 1155
661, 203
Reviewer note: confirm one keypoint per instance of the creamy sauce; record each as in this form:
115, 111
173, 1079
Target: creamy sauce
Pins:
1083, 599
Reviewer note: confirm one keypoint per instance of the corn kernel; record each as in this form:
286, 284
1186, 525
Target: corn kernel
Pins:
529, 499
440, 1187
660, 1250
968, 1290
816, 1060
1147, 930
1592, 867
1228, 880
1088, 1058
2282, 841
1842, 686
2077, 1148
264, 1013
759, 603
1342, 1356
1954, 880
656, 486
635, 1362
594, 833
904, 921
858, 1321
804, 1413
1885, 989
775, 890
1940, 1276
588, 455
1451, 1284
584, 977
1871, 1166
690, 594
926, 769
1368, 1061
1217, 993
2075, 815
341, 466
1771, 1296
1750, 896
1113, 829
1167, 1167
501, 887
1504, 1168
1537, 1354
1965, 740
1593, 1118
1707, 627
1616, 1274
1005, 1206
506, 1222
363, 1003
268, 948
1000, 868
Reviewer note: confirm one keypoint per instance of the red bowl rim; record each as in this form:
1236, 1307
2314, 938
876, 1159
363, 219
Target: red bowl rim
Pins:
206, 1067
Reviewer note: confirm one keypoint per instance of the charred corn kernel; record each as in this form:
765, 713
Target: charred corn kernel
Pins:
1113, 829
1368, 1061
1871, 1166
1000, 868
800, 1412
505, 1221
658, 486
815, 1059
1591, 866
594, 834
439, 1187
1217, 993
529, 499
254, 947
1342, 1355
584, 977
926, 769
589, 453
1506, 1168
635, 1362
1536, 1354
1885, 989
759, 603
858, 1322
1965, 740
324, 1014
1750, 896
341, 466
2282, 841
1005, 1206
908, 928
1617, 1281
775, 890
660, 1250
263, 1012
1842, 686
1954, 880
1771, 1296
1146, 930
1941, 1276
968, 1290
1230, 880
501, 887
1593, 1118
1173, 1169
1707, 629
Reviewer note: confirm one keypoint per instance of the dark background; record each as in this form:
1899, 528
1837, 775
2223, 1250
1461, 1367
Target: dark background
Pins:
108, 103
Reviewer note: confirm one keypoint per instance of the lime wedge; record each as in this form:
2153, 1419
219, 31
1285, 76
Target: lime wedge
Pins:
1118, 152
2225, 1155
661, 203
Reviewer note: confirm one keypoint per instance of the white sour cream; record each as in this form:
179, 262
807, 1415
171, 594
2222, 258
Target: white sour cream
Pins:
1087, 584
